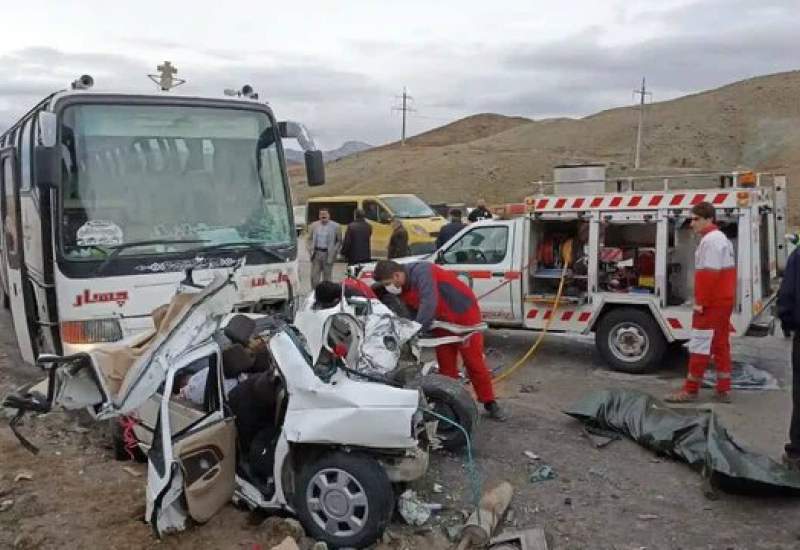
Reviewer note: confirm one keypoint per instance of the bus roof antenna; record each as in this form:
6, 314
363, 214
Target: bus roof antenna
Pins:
166, 79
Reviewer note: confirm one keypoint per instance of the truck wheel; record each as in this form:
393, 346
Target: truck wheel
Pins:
344, 499
630, 340
449, 398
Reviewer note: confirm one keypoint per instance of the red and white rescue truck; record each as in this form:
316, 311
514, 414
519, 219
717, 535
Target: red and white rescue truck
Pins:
626, 258
107, 198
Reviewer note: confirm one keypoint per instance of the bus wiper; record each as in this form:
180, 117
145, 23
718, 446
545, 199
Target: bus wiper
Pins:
117, 249
248, 246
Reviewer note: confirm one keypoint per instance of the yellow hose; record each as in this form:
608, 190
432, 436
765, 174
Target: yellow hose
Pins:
566, 254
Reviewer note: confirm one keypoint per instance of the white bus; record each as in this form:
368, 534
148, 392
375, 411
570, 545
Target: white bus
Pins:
106, 199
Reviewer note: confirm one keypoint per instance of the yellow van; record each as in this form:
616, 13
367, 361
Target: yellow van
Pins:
421, 222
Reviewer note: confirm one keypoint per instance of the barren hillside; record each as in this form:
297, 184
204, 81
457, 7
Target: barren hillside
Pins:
754, 124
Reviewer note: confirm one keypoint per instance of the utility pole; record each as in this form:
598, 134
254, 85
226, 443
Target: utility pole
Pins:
405, 109
642, 93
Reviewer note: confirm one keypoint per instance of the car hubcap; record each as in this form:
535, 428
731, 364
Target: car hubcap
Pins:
628, 342
337, 502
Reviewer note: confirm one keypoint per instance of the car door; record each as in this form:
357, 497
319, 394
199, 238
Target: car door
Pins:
379, 218
191, 468
13, 256
482, 255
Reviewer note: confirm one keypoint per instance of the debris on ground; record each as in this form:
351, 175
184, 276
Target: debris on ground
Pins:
527, 388
321, 545
280, 528
6, 505
413, 510
647, 517
542, 473
287, 544
437, 488
481, 524
529, 539
532, 455
132, 471
453, 532
693, 435
744, 376
23, 475
600, 438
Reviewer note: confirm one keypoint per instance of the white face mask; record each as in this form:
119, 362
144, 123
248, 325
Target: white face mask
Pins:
392, 288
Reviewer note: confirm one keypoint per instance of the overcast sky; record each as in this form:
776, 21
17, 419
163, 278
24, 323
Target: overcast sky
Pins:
338, 65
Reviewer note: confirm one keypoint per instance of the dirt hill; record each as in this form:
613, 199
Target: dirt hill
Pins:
753, 123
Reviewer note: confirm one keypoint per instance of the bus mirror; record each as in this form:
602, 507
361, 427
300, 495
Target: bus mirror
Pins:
47, 128
315, 168
47, 166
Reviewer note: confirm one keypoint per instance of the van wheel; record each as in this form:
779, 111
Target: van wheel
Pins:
448, 397
6, 300
630, 340
344, 499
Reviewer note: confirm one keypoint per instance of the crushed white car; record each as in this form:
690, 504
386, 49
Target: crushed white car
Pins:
336, 446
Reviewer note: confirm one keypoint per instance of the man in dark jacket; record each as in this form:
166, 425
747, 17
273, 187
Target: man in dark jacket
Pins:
398, 242
789, 315
480, 212
449, 230
355, 247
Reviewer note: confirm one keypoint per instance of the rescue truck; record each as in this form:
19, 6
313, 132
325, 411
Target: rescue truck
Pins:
621, 264
107, 198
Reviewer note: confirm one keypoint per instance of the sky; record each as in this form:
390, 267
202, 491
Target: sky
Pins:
339, 66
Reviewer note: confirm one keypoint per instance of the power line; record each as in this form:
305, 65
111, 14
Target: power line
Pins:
642, 93
405, 108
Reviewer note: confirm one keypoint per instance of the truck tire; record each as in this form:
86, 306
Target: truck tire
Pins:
344, 499
630, 340
449, 398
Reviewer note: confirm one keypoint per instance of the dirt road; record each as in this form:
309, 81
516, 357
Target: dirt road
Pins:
618, 497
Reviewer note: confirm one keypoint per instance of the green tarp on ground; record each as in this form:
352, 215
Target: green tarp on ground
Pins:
694, 436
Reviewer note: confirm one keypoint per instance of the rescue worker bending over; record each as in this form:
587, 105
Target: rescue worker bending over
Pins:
435, 293
714, 297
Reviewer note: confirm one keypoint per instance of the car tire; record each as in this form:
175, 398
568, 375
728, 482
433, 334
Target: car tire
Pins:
347, 492
448, 397
121, 451
630, 340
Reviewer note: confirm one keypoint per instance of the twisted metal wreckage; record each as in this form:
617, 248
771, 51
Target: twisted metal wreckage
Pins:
349, 418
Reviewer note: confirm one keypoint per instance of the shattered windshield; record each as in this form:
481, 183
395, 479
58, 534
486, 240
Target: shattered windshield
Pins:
408, 207
139, 173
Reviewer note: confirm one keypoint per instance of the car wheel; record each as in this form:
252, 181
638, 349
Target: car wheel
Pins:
344, 499
630, 340
449, 398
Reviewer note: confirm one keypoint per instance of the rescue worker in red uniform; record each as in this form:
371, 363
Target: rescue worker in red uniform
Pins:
437, 294
714, 298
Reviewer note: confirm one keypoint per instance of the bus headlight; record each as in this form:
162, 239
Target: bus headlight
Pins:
91, 331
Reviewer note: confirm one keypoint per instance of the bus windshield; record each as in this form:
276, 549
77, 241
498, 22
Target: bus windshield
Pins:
408, 207
138, 173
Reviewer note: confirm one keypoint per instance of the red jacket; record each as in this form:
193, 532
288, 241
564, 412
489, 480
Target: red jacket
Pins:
714, 270
436, 293
359, 287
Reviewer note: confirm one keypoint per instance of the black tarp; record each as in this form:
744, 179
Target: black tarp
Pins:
692, 435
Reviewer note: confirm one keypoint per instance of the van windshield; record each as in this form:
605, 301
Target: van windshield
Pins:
135, 173
408, 207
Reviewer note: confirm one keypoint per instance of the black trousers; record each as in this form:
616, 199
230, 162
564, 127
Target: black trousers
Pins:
793, 447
